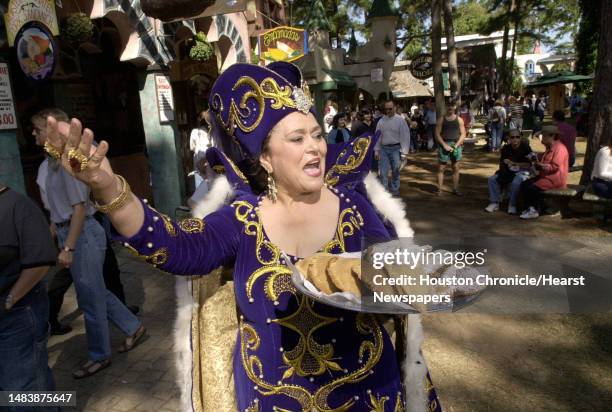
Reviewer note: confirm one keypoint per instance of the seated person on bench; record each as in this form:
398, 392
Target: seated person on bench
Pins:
552, 167
602, 172
514, 168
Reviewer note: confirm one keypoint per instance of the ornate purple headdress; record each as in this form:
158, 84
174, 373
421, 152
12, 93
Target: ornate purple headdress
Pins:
247, 101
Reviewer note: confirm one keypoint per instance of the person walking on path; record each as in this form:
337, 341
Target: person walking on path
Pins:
199, 142
339, 132
430, 124
364, 125
392, 147
497, 119
83, 242
26, 253
450, 134
62, 279
516, 113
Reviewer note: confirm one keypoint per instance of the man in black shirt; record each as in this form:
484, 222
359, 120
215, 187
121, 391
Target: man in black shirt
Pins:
514, 168
26, 252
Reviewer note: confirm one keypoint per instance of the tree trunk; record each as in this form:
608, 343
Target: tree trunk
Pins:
600, 108
511, 63
453, 70
436, 54
501, 83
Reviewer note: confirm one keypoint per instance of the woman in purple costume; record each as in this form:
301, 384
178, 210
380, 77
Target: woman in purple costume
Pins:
293, 196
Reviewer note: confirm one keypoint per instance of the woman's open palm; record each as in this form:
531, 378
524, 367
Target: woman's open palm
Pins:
64, 137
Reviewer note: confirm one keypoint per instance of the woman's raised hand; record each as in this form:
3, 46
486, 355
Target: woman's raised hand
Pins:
78, 155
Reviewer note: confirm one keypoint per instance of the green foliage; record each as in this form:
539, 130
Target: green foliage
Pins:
77, 28
469, 17
201, 49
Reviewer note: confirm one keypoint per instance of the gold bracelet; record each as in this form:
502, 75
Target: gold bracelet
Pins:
52, 150
118, 202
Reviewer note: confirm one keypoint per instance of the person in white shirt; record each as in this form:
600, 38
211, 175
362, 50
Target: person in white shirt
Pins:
392, 147
199, 142
414, 108
602, 172
331, 109
430, 123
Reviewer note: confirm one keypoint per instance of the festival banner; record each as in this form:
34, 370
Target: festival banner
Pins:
20, 12
283, 44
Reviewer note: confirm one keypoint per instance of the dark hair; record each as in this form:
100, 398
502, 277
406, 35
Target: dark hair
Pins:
336, 119
558, 115
251, 167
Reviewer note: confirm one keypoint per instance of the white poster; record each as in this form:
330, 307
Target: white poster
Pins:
8, 120
165, 102
376, 75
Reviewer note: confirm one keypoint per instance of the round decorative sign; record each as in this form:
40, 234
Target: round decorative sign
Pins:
36, 51
421, 66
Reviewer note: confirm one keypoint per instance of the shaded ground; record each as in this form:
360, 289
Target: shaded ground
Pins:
477, 362
508, 362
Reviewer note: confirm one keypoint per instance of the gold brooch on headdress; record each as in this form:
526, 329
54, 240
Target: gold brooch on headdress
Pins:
301, 97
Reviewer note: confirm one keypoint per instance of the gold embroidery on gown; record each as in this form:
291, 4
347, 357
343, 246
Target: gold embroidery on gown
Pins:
308, 357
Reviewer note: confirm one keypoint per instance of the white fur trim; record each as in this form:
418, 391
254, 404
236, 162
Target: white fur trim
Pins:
182, 341
389, 207
414, 367
220, 191
415, 373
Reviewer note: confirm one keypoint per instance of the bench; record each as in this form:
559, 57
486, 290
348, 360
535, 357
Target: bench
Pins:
557, 200
601, 205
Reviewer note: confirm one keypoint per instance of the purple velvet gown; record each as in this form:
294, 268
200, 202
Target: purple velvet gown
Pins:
292, 354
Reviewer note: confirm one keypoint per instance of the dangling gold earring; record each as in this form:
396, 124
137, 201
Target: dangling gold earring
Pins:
271, 193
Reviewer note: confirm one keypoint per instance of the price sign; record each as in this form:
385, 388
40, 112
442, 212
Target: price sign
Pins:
165, 102
8, 120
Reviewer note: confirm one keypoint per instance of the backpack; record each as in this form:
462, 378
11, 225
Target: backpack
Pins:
495, 116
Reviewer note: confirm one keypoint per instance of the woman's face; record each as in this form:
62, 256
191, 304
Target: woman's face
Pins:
296, 154
341, 122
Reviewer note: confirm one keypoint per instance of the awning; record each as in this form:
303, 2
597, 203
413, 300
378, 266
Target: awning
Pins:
560, 77
338, 78
403, 84
169, 10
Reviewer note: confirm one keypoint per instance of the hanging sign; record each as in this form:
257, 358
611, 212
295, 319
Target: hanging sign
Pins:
165, 102
20, 12
36, 51
376, 75
421, 66
283, 44
8, 120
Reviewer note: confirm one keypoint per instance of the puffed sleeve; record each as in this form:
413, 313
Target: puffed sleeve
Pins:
190, 246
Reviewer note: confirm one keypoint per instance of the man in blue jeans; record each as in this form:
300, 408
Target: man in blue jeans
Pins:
83, 243
26, 252
497, 120
392, 147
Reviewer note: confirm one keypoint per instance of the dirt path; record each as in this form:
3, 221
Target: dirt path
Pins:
508, 362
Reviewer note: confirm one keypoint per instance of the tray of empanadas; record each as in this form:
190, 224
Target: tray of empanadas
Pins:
337, 280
